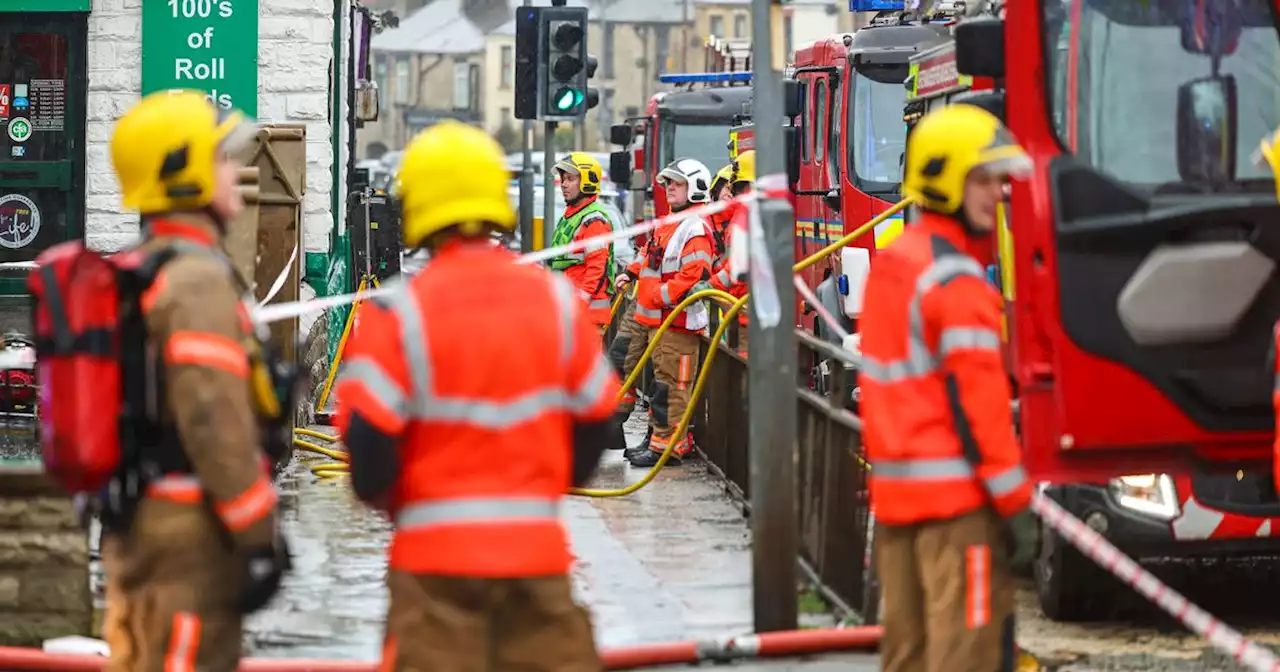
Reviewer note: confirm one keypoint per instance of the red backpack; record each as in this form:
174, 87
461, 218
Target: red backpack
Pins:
90, 339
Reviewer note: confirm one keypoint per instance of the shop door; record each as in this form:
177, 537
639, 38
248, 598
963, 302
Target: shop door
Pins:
42, 96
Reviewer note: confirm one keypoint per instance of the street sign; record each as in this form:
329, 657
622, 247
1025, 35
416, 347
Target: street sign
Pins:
877, 5
206, 45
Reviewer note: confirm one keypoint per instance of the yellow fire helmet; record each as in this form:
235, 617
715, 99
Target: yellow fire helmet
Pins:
946, 145
722, 177
165, 150
587, 169
744, 167
453, 174
1268, 155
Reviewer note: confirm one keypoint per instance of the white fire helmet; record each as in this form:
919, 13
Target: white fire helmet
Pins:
694, 173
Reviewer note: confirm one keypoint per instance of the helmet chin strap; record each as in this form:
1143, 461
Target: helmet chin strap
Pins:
966, 223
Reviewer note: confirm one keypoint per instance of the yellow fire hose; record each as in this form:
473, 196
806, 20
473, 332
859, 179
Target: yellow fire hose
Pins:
736, 305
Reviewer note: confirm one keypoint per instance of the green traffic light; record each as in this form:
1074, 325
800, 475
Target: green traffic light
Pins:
567, 99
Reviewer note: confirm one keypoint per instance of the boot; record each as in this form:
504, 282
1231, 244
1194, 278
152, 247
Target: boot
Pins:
649, 458
619, 441
643, 447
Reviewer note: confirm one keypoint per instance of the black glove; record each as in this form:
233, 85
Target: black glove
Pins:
1023, 531
265, 567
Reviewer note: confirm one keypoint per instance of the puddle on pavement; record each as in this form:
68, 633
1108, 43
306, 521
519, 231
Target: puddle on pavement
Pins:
670, 562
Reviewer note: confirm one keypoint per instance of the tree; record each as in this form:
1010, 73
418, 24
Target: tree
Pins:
507, 137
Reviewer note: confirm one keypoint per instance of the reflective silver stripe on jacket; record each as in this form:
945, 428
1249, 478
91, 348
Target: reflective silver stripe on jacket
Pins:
947, 469
478, 510
366, 371
596, 304
920, 360
424, 404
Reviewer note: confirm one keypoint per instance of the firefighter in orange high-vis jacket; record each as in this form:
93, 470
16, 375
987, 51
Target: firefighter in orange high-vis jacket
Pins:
470, 438
741, 181
946, 477
591, 270
678, 257
199, 547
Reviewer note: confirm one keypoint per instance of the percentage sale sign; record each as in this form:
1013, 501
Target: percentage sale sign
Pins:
4, 100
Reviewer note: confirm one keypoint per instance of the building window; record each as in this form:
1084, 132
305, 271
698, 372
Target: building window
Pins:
462, 86
716, 25
508, 66
401, 88
606, 63
662, 50
787, 34
740, 26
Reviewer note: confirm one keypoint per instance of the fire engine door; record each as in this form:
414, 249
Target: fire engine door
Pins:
42, 108
817, 223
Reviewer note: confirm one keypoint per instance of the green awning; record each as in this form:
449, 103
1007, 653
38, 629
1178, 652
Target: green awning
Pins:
45, 6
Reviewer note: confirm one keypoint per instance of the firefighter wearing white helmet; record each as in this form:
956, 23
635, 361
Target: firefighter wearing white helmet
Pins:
678, 257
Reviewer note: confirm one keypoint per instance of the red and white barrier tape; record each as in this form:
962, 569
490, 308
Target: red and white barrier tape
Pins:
1220, 635
284, 311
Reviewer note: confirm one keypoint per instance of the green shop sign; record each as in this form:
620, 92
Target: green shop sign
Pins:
207, 45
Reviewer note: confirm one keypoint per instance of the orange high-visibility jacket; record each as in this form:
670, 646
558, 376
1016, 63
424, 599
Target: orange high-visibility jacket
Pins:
935, 395
720, 272
683, 254
479, 366
591, 277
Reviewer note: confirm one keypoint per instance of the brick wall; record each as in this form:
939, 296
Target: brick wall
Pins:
44, 561
294, 50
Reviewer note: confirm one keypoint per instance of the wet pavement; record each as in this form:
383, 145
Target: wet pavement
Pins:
670, 562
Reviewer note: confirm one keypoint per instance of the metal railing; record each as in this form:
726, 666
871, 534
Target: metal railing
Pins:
833, 517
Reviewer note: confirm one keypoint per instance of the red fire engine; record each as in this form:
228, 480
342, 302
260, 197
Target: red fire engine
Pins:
692, 121
1143, 252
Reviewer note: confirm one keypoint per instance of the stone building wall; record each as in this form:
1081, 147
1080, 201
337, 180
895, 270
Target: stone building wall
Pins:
44, 561
295, 45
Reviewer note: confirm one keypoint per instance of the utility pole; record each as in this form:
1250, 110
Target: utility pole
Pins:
772, 443
548, 183
526, 180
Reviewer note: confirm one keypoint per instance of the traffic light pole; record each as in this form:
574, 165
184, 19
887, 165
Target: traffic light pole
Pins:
772, 364
526, 179
548, 182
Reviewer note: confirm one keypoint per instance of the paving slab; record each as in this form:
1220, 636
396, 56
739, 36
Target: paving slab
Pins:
670, 562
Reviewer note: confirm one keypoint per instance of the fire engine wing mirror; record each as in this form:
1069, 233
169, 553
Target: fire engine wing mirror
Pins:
1207, 130
1212, 28
792, 140
792, 98
980, 47
620, 168
620, 134
832, 199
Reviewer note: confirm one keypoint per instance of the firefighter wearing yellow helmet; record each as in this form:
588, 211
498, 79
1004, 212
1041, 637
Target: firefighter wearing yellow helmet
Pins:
194, 546
935, 404
720, 184
591, 269
477, 352
740, 180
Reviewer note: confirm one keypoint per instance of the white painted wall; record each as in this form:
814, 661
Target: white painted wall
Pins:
294, 50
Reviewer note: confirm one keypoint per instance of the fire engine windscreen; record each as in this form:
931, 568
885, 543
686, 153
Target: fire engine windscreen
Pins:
1114, 68
706, 143
877, 136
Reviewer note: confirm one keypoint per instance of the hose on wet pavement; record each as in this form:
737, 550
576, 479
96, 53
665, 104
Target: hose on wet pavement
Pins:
765, 645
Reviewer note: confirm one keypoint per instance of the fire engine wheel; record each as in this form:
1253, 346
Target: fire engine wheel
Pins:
1070, 587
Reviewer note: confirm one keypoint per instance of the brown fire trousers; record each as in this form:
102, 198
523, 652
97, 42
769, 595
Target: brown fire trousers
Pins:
948, 595
456, 624
625, 350
675, 365
171, 588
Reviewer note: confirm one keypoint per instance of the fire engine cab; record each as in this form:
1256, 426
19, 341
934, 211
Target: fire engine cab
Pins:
1140, 273
691, 121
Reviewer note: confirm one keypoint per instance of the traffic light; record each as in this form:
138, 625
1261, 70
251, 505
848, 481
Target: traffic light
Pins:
526, 72
593, 94
565, 63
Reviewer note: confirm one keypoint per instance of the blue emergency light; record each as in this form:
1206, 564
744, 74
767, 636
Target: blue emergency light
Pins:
877, 5
705, 77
